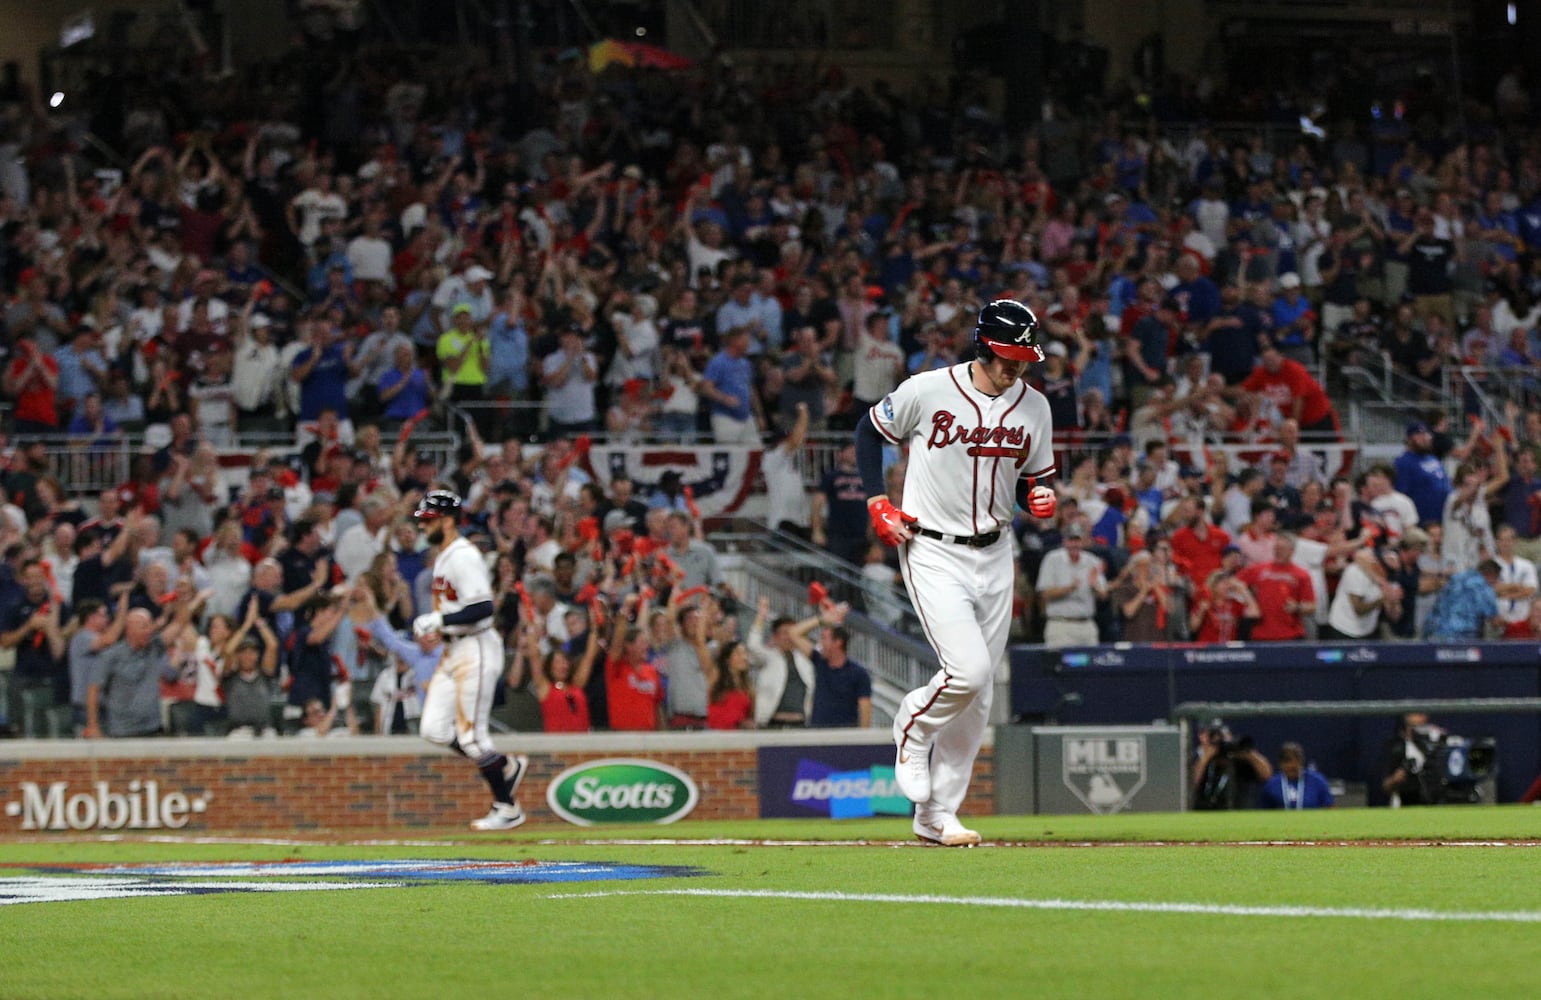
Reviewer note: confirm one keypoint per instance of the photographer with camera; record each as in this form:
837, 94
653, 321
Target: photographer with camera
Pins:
1405, 759
1427, 765
1227, 769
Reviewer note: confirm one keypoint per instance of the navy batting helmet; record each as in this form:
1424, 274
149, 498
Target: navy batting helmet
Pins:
438, 503
1007, 329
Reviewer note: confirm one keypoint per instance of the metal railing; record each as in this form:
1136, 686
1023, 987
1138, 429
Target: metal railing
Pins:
1491, 388
802, 24
88, 468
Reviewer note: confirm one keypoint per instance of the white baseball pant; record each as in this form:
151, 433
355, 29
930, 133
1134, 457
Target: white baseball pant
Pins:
963, 597
459, 701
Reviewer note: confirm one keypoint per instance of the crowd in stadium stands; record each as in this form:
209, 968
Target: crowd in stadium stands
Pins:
730, 253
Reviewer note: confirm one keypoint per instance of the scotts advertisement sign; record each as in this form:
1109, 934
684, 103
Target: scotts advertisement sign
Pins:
101, 806
621, 791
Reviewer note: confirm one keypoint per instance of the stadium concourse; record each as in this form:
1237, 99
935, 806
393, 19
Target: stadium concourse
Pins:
236, 361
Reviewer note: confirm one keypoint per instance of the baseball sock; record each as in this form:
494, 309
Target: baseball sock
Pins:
492, 767
454, 745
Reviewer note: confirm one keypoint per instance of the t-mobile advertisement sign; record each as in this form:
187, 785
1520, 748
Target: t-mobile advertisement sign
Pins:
843, 782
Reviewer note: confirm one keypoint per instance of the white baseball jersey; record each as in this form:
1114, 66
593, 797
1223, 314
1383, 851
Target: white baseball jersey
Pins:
460, 579
967, 449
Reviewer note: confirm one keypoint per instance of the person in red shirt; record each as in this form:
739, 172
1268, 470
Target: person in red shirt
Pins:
557, 682
1530, 628
1197, 546
1291, 388
1223, 608
730, 692
633, 689
1283, 591
31, 380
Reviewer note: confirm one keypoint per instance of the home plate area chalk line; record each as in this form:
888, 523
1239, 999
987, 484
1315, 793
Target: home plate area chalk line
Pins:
1096, 905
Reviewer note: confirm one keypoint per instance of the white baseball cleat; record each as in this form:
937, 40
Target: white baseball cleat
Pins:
912, 769
944, 829
502, 817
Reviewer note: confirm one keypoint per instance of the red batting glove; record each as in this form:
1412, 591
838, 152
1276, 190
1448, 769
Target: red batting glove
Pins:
891, 524
1041, 502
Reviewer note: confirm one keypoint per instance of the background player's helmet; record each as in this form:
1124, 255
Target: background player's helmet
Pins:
439, 503
1007, 329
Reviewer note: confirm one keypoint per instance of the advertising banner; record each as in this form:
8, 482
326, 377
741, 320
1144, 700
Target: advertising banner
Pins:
838, 782
621, 791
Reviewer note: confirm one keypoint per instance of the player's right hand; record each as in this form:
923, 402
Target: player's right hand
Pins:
1042, 502
889, 523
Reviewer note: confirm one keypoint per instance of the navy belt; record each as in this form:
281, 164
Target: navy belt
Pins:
972, 541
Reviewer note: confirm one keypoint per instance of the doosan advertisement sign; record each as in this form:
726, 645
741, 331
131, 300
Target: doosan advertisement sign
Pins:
840, 782
138, 806
621, 791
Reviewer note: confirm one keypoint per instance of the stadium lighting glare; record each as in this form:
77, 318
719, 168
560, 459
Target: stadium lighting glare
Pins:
1512, 14
57, 99
642, 32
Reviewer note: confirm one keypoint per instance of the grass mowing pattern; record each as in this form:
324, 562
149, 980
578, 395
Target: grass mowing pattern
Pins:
444, 939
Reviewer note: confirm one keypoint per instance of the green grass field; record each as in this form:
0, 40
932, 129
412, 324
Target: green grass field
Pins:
1126, 906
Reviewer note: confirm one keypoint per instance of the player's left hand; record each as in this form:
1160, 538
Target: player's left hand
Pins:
427, 624
1042, 502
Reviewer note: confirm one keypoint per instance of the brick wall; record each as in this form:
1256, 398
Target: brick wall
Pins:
377, 791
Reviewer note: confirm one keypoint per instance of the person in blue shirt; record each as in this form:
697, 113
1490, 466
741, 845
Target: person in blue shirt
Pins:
1294, 321
92, 422
1231, 337
1295, 785
1196, 296
842, 688
421, 654
404, 388
1466, 605
728, 383
322, 370
328, 256
1421, 475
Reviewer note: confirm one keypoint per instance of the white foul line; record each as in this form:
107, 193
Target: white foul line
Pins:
1101, 905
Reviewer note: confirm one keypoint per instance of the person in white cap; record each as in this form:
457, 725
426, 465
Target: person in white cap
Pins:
470, 287
1294, 321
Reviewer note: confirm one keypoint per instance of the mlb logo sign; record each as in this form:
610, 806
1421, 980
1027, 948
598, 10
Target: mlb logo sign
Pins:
1104, 773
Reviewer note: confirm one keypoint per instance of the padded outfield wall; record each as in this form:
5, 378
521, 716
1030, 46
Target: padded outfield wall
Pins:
1126, 683
397, 782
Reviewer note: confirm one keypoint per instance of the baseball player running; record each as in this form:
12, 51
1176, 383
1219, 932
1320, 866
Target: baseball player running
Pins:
979, 441
460, 695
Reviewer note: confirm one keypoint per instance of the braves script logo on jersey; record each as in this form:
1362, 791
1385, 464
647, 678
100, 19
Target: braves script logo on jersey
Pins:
443, 588
985, 442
